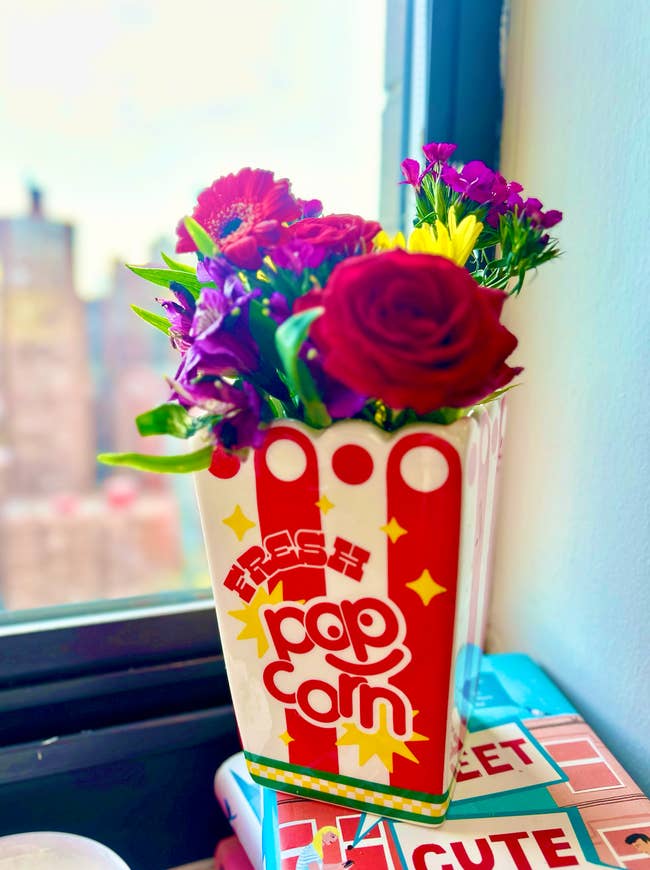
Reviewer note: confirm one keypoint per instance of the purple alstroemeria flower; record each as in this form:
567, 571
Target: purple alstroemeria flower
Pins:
219, 344
438, 152
298, 255
341, 401
240, 425
216, 303
180, 314
227, 351
278, 307
214, 270
218, 338
221, 354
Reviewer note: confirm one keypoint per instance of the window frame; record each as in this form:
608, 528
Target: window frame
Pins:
97, 637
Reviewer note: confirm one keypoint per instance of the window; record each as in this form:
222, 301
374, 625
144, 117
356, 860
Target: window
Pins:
121, 114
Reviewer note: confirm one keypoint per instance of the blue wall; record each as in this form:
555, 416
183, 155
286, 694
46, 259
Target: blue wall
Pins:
572, 566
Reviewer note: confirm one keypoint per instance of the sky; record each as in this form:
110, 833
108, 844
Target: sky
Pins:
123, 110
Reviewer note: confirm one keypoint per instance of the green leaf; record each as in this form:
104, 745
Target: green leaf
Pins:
263, 329
182, 464
164, 277
277, 408
168, 419
176, 265
204, 242
289, 338
445, 416
496, 394
150, 317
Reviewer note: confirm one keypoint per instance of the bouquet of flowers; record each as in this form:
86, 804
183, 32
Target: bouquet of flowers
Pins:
290, 313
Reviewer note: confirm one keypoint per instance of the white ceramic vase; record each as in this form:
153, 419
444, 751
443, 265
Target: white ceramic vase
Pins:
351, 578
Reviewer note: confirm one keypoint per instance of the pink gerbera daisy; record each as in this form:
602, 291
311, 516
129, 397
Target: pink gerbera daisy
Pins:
243, 213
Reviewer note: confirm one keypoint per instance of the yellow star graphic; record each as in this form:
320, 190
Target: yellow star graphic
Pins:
286, 738
380, 742
393, 530
239, 522
250, 616
324, 504
426, 587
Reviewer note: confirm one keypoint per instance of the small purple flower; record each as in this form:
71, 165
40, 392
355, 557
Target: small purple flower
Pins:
411, 172
475, 180
438, 152
310, 208
298, 255
503, 205
502, 190
492, 217
514, 201
532, 208
551, 218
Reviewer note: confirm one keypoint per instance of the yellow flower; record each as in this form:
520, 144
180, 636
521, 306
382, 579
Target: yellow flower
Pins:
454, 241
383, 242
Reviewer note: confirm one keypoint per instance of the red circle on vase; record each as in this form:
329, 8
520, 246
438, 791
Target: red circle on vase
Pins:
224, 465
352, 464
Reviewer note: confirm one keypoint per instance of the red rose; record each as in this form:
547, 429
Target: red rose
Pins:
339, 233
413, 330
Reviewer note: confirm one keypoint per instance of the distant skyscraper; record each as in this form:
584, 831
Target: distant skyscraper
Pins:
45, 390
62, 539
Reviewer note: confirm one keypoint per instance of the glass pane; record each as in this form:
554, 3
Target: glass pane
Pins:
113, 116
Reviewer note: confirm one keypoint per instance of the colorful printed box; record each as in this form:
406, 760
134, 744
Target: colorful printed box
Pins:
538, 790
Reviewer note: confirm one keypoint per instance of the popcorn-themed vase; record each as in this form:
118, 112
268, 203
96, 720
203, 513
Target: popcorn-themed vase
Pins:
351, 578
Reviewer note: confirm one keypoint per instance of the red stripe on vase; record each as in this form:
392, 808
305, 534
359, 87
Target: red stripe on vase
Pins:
432, 522
312, 746
286, 507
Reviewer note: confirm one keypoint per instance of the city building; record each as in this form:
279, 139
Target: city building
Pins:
72, 377
44, 374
